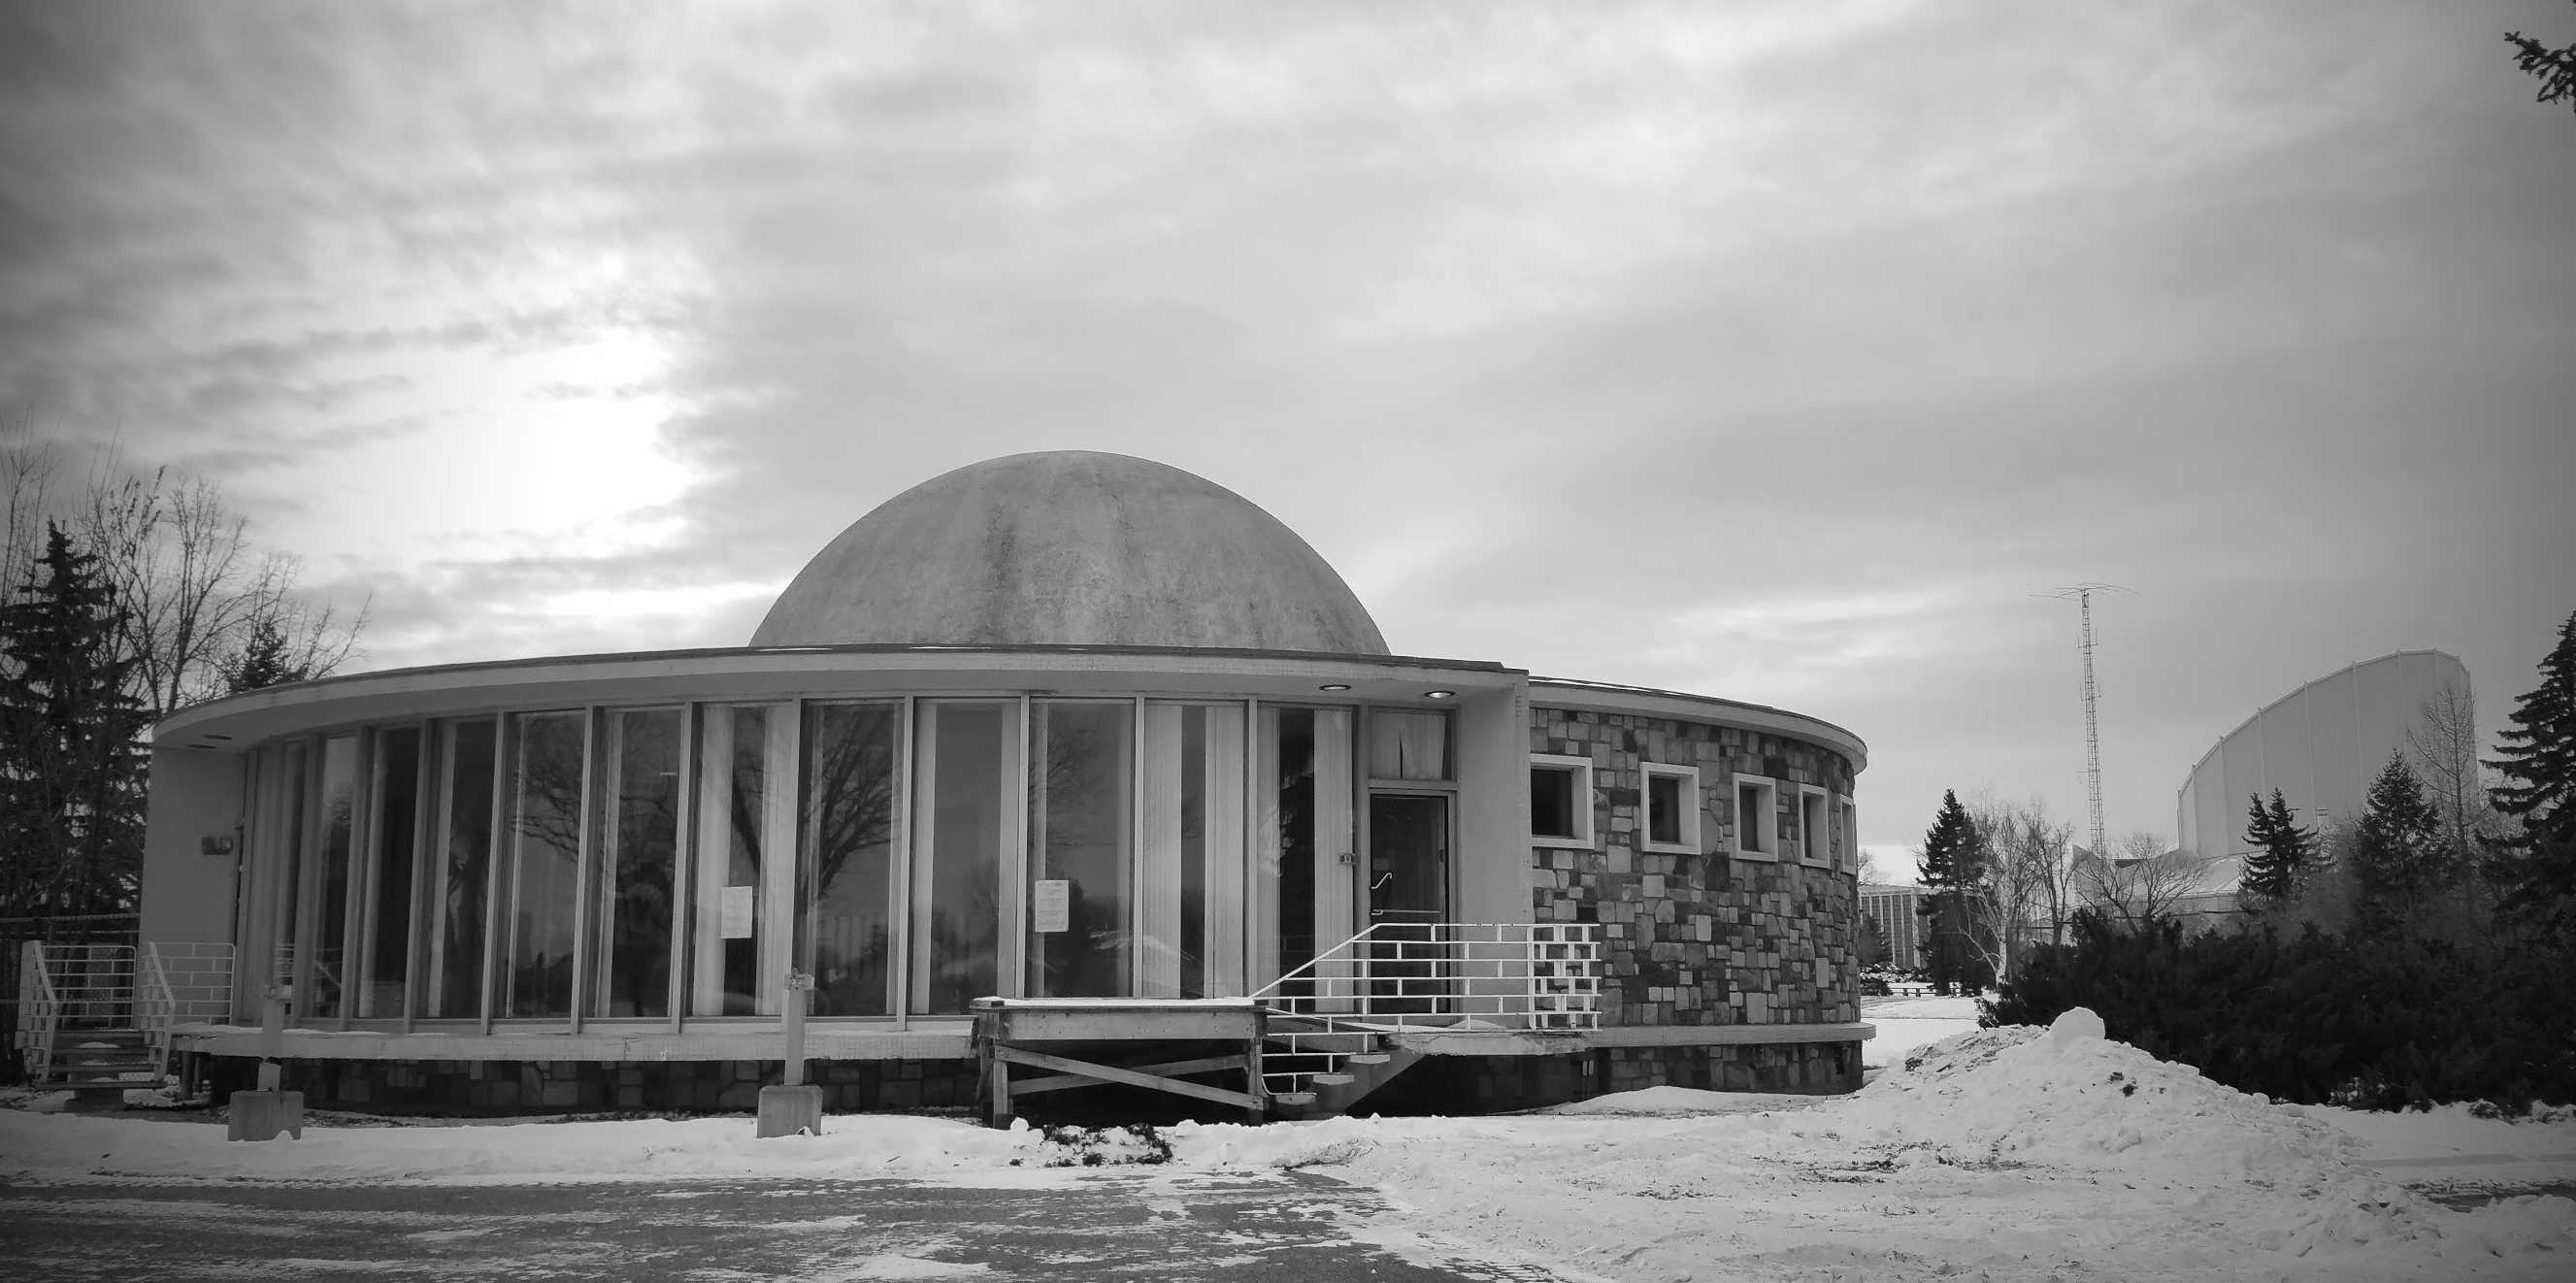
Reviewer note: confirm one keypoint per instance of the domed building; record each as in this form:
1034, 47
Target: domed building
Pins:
1054, 737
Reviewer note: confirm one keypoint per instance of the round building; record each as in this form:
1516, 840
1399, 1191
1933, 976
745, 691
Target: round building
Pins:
1064, 732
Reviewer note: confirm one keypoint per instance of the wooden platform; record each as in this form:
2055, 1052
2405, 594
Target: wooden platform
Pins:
1038, 1034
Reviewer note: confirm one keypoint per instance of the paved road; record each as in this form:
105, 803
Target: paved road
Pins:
1291, 1227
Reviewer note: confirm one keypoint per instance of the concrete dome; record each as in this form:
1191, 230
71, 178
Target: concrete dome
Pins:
1071, 548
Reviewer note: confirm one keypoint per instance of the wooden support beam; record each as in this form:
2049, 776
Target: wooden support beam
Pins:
1005, 1055
1167, 1069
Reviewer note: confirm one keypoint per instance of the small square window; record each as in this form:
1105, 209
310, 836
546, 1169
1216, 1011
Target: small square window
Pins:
1671, 807
1815, 838
1757, 818
1560, 800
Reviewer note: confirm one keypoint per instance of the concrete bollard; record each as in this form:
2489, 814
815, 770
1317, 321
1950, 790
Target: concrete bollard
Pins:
795, 1105
262, 1114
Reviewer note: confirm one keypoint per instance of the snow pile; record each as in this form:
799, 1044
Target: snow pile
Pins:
2068, 1096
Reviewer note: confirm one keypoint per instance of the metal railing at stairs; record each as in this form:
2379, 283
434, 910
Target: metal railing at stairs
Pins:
1347, 1006
71, 991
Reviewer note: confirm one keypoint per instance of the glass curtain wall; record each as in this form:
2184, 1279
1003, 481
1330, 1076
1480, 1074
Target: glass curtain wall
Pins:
328, 926
847, 855
292, 834
542, 883
1082, 791
965, 825
638, 840
1304, 890
744, 879
1189, 923
393, 813
460, 875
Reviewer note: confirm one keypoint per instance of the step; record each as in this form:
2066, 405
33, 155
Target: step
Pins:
1367, 1058
1292, 1099
1329, 1080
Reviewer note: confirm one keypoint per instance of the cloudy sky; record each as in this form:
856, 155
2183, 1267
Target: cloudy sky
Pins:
1778, 351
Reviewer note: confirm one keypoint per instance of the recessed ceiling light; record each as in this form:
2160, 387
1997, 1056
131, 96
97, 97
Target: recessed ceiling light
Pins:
1334, 686
1440, 694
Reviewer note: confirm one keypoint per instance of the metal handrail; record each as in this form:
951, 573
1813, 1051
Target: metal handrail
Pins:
1400, 976
156, 1008
42, 1005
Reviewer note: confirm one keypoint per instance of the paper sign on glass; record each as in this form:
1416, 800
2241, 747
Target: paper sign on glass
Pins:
737, 916
1052, 906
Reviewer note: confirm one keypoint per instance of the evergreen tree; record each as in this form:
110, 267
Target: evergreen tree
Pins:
2281, 851
2397, 855
2537, 757
71, 757
263, 662
1951, 869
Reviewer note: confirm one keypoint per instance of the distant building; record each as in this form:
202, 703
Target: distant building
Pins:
2320, 745
1897, 911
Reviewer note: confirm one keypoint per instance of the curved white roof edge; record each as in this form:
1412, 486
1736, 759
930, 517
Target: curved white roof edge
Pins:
1608, 697
2355, 666
783, 665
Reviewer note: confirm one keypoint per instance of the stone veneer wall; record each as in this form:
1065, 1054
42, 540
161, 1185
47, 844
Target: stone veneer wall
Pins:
1702, 939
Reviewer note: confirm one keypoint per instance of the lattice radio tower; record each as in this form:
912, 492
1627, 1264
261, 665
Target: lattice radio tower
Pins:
2083, 594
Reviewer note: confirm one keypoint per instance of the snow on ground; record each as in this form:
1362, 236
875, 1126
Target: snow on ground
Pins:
1907, 1023
2006, 1154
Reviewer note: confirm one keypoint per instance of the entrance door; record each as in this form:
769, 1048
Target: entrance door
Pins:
1408, 898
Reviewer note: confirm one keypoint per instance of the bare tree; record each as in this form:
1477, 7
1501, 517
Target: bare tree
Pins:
196, 589
2025, 891
2140, 882
2444, 744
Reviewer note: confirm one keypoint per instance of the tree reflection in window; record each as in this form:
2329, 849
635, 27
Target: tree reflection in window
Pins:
847, 875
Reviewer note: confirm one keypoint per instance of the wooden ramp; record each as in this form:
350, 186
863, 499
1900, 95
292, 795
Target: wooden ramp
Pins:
1128, 1041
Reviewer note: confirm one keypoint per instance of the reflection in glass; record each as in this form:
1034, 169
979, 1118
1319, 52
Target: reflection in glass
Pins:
746, 809
463, 849
543, 881
329, 930
1305, 890
639, 837
963, 803
1191, 922
286, 822
847, 874
1080, 794
392, 811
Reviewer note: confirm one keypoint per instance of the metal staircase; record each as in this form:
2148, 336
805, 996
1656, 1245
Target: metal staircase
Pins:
81, 1008
1339, 1027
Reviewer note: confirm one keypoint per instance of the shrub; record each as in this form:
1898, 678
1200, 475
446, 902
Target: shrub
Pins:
2380, 1022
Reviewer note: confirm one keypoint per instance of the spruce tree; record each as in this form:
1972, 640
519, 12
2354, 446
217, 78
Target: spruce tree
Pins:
1950, 869
2536, 867
263, 661
2280, 851
2397, 854
71, 757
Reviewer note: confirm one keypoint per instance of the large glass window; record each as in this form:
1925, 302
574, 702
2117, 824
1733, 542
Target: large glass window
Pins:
848, 870
965, 821
393, 812
328, 927
1190, 922
458, 881
1304, 893
742, 893
1081, 870
542, 884
639, 844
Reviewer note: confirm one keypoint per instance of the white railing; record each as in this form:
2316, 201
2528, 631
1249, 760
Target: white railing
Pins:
1343, 1007
1461, 976
39, 1009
